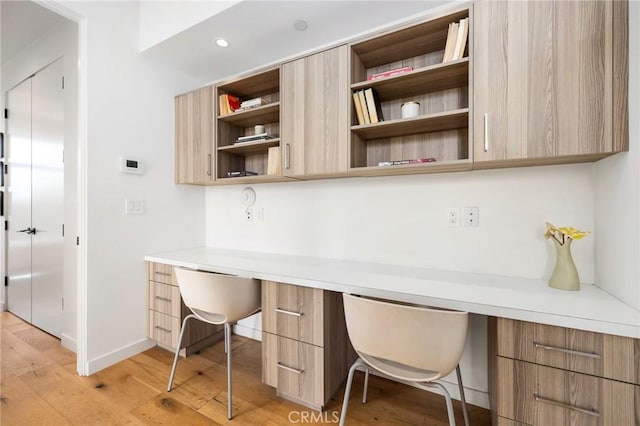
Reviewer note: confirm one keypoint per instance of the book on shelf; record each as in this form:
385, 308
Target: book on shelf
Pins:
373, 105
456, 40
252, 103
452, 36
389, 73
228, 103
273, 161
358, 107
363, 105
241, 173
412, 161
252, 138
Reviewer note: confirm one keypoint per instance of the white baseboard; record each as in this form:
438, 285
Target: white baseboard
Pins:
251, 333
69, 343
106, 360
3, 306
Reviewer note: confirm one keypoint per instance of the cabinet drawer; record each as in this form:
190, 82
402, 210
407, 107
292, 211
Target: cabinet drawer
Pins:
539, 395
164, 298
602, 355
159, 272
295, 368
293, 311
164, 329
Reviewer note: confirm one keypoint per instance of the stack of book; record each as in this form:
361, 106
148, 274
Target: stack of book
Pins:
252, 103
241, 173
456, 40
367, 106
253, 138
413, 161
389, 73
228, 103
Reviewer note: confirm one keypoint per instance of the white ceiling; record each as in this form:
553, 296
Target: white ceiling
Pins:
22, 23
261, 32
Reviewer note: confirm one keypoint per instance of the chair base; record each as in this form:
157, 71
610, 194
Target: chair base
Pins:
359, 364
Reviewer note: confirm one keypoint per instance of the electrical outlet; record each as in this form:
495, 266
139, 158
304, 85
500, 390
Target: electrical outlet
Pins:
453, 217
470, 217
249, 214
133, 206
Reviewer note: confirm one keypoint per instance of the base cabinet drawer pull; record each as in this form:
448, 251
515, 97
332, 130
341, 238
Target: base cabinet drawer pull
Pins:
162, 329
286, 367
292, 313
566, 351
164, 299
590, 412
164, 274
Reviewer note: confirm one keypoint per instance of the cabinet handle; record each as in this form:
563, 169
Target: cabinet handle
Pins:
293, 370
162, 329
164, 274
486, 132
287, 156
209, 165
567, 351
164, 299
294, 314
589, 411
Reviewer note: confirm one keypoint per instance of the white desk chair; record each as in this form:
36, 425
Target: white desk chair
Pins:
216, 299
411, 345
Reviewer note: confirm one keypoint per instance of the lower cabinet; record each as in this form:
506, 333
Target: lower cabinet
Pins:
546, 375
167, 311
306, 353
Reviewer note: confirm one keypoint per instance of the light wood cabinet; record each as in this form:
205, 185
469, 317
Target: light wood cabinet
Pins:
166, 311
315, 111
306, 353
194, 130
546, 79
543, 375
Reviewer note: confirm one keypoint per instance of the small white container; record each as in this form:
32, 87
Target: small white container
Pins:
258, 129
410, 109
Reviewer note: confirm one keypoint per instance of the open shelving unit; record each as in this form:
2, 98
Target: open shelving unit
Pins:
441, 130
248, 156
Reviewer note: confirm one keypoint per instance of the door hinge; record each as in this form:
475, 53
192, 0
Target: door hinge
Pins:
6, 281
63, 82
77, 241
6, 113
63, 229
6, 225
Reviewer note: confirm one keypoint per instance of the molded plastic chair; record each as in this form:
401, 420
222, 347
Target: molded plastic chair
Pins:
216, 299
408, 344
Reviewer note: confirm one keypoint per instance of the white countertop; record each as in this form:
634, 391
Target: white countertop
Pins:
518, 298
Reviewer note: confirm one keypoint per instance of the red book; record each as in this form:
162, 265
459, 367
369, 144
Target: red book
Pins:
389, 73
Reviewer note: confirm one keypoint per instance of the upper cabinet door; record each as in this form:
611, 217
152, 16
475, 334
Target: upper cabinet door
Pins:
315, 115
194, 137
544, 81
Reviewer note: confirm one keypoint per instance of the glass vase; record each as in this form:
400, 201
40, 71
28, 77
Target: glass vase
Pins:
565, 275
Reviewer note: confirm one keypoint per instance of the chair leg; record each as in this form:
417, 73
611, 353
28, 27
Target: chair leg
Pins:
227, 344
462, 399
366, 386
175, 358
447, 398
347, 390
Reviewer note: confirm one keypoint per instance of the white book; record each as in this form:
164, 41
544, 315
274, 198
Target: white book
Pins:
461, 42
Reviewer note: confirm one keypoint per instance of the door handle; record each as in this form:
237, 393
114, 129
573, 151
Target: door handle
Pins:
29, 231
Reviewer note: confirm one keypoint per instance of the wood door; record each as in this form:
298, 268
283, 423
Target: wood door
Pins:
194, 123
315, 115
543, 80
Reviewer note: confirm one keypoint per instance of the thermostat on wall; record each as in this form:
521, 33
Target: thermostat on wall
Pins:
131, 165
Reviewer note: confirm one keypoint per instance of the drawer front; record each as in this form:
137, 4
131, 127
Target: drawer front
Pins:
539, 395
293, 311
164, 329
161, 273
295, 368
602, 355
164, 298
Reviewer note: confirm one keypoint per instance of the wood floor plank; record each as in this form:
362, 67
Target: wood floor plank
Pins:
18, 356
20, 405
166, 410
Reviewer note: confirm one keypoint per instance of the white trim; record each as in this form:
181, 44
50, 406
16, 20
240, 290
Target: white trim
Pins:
69, 343
3, 306
113, 357
251, 333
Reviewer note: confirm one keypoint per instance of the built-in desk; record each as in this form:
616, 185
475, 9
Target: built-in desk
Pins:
524, 314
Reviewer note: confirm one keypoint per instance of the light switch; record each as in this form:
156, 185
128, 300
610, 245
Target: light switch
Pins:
133, 206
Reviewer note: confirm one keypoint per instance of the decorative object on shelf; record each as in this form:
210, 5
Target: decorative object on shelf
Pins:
241, 173
258, 128
565, 275
410, 109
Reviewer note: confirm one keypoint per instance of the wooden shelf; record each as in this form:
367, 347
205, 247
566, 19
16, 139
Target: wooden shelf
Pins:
403, 169
250, 147
261, 115
251, 179
449, 120
433, 78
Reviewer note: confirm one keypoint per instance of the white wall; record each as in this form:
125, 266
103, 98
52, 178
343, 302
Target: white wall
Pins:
162, 20
618, 195
129, 112
59, 41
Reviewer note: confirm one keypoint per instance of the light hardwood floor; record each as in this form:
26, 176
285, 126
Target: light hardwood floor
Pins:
39, 386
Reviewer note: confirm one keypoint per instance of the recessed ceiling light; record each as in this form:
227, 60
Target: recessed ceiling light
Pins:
222, 42
300, 25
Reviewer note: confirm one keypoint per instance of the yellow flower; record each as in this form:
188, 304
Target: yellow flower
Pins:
573, 233
560, 234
